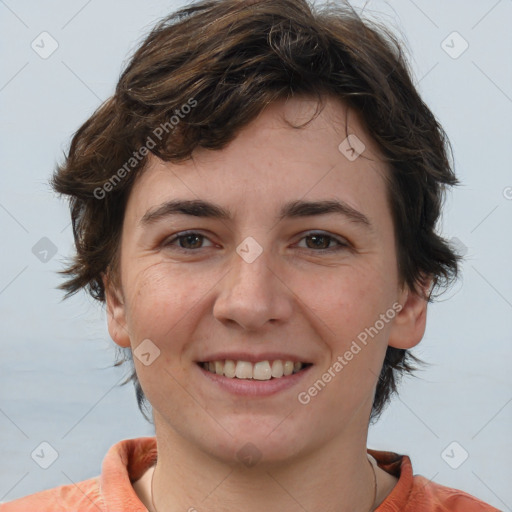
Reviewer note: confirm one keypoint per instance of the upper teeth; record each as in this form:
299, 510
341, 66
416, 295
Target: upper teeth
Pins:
262, 370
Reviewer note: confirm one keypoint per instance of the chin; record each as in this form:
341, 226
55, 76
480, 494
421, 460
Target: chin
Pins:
257, 442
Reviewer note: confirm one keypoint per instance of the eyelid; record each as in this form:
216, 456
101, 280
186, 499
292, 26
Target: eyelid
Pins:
342, 242
176, 236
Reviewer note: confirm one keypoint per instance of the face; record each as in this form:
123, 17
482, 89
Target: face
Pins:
292, 258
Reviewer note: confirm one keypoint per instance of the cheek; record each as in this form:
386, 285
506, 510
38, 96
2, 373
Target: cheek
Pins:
158, 297
348, 300
160, 309
348, 309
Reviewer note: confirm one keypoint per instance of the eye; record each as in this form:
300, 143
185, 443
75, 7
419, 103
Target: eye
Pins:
323, 242
187, 241
192, 240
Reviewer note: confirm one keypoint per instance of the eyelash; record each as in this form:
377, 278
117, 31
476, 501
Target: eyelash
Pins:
341, 243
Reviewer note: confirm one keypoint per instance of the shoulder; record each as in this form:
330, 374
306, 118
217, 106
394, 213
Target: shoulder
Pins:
431, 497
84, 496
418, 494
124, 463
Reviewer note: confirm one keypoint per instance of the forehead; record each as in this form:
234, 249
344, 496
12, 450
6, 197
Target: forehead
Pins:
293, 150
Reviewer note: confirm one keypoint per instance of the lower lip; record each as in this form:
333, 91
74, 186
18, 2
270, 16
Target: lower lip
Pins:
253, 387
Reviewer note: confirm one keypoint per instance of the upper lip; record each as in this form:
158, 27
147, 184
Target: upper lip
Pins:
253, 358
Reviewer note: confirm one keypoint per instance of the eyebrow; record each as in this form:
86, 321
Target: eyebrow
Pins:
291, 210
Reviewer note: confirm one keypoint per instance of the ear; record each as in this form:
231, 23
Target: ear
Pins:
116, 312
409, 324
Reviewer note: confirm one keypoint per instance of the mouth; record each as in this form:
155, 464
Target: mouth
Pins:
258, 379
260, 371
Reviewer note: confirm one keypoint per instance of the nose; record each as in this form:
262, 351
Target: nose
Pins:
252, 295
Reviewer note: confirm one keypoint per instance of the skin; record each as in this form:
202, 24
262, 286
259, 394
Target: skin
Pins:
294, 298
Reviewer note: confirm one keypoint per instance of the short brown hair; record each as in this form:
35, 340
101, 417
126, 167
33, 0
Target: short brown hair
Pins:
233, 58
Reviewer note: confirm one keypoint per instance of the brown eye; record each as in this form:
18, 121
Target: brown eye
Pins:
186, 241
318, 241
324, 242
190, 241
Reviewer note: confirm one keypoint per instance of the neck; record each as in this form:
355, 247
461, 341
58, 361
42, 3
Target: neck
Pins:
335, 477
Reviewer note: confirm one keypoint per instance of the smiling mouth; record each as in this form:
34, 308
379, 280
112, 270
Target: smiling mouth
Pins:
262, 370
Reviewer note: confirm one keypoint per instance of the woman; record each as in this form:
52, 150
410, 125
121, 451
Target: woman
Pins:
256, 206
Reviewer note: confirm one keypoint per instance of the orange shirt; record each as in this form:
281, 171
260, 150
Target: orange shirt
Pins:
126, 461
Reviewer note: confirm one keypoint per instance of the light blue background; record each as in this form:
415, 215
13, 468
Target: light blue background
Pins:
56, 380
